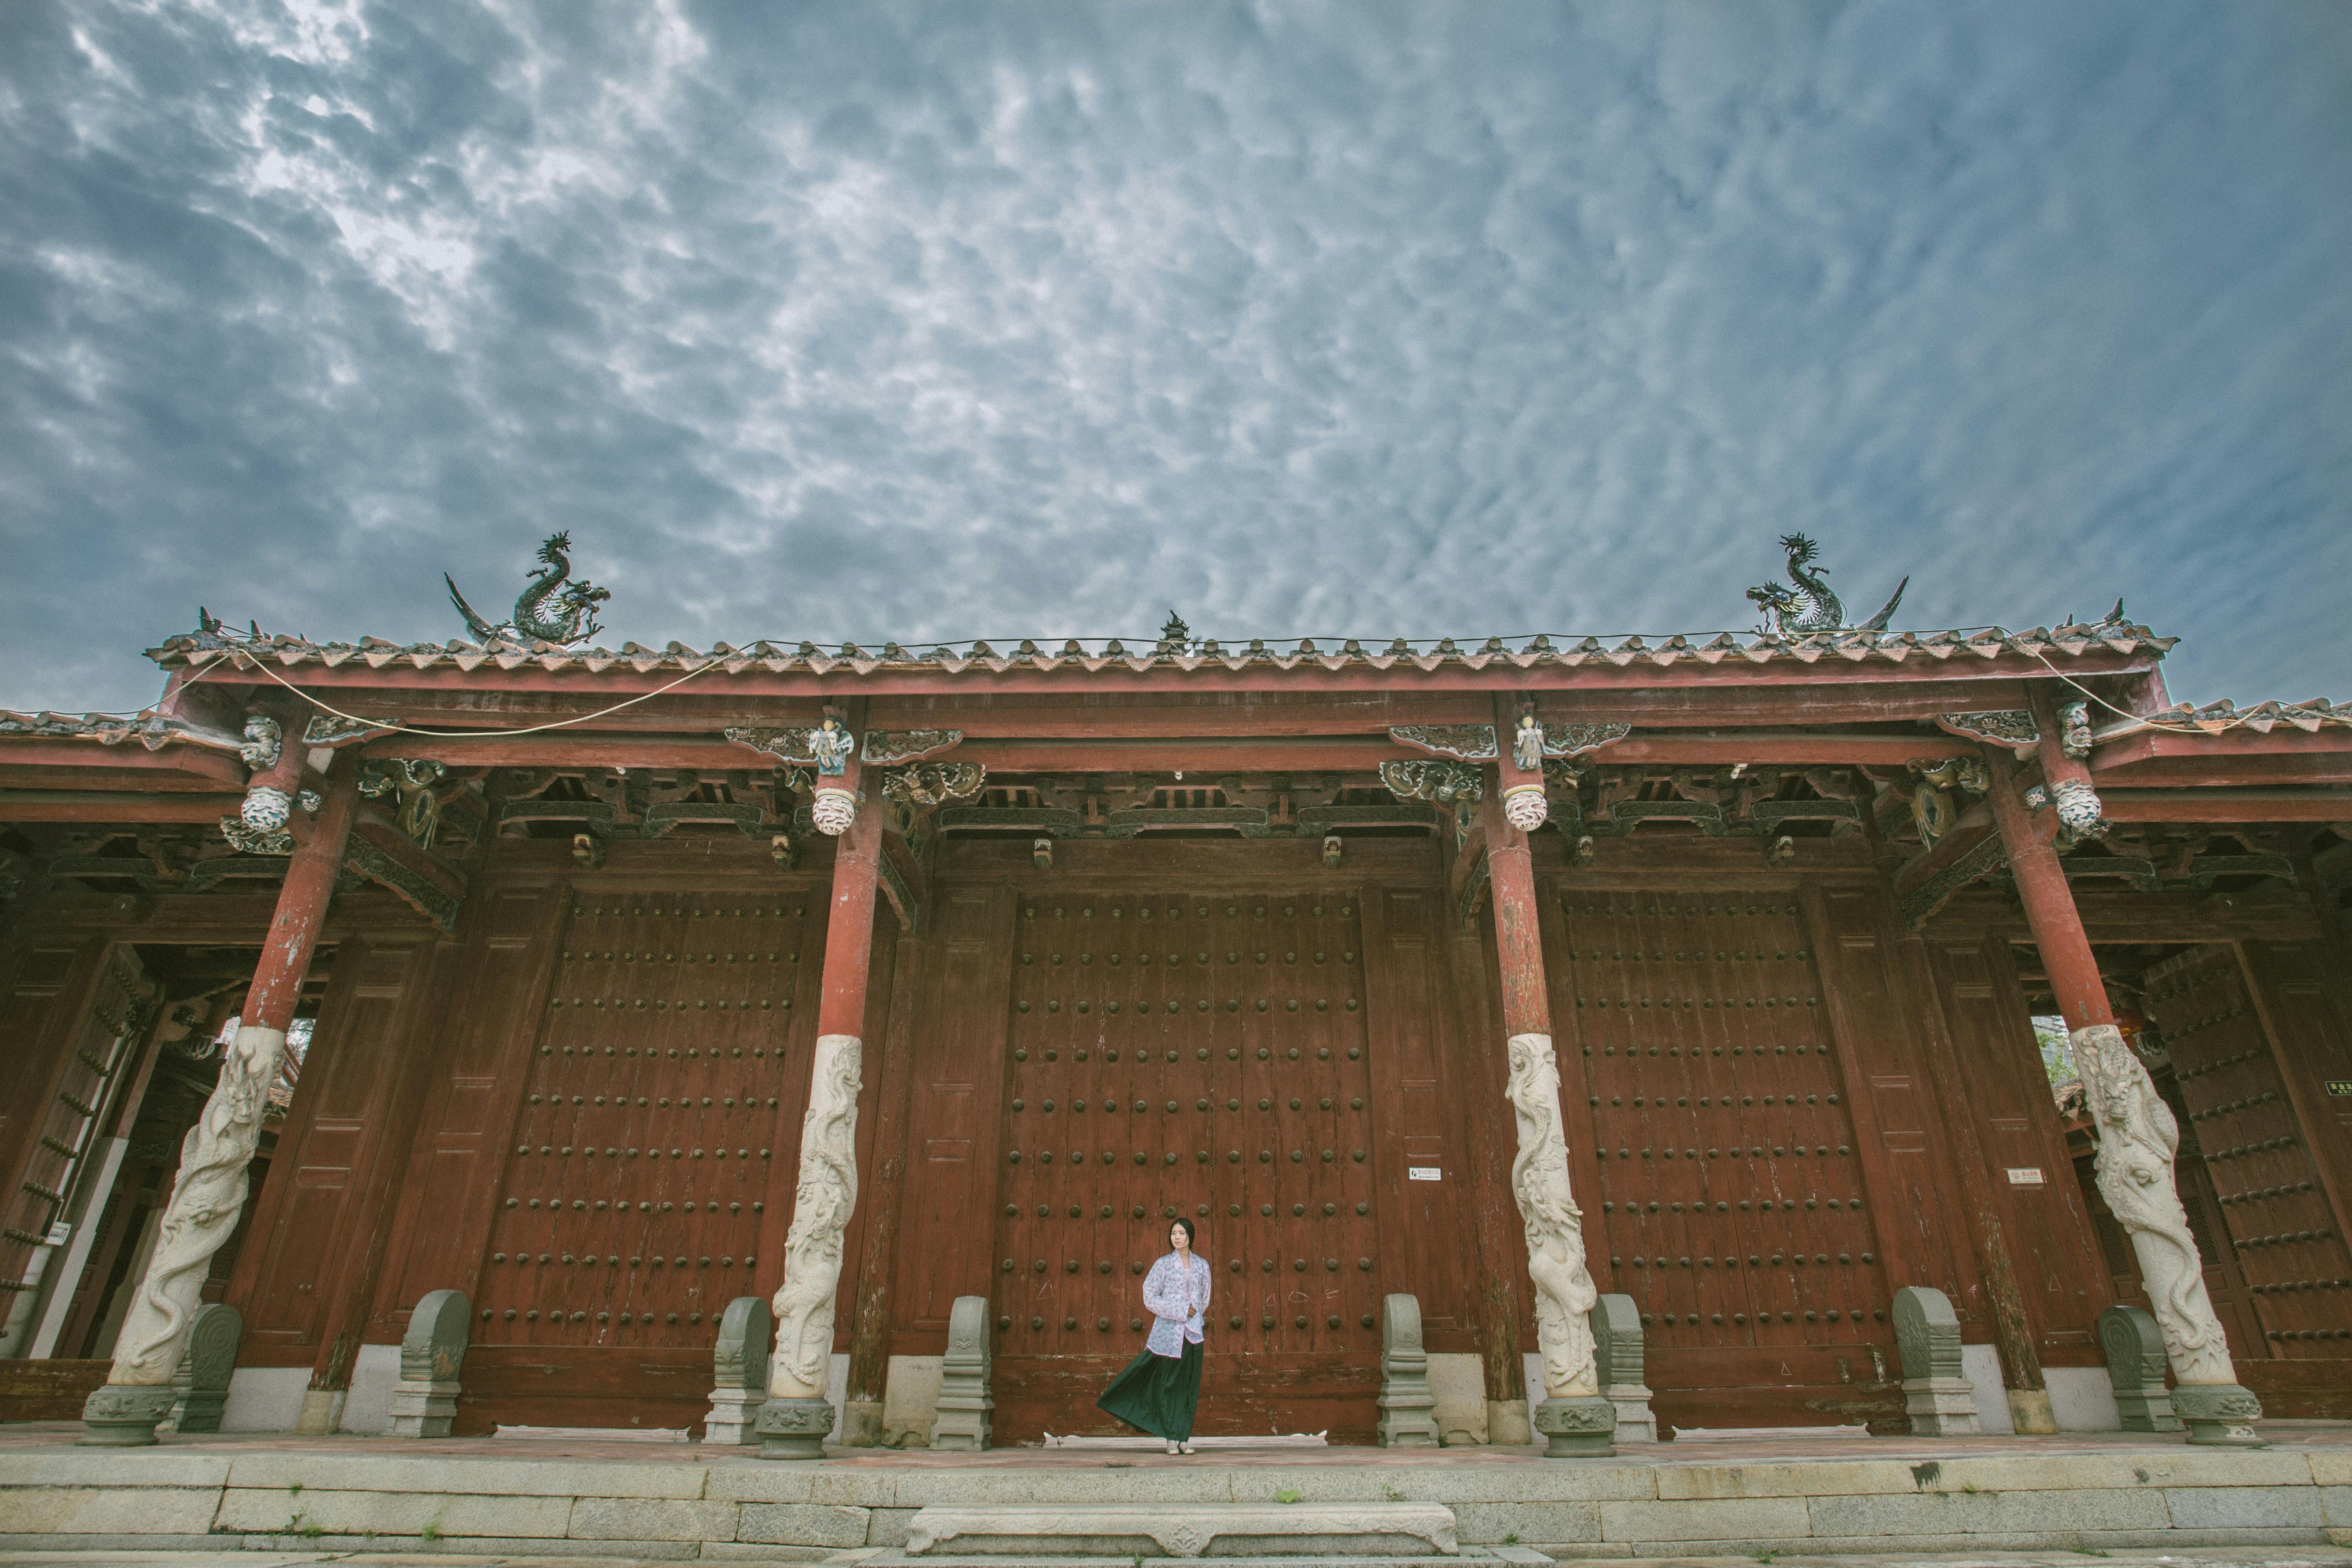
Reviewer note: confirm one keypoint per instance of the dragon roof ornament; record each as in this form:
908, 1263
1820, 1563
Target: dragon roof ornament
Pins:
1811, 606
552, 609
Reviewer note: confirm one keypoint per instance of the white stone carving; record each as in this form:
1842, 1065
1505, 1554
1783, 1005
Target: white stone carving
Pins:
1524, 806
822, 1206
2078, 808
833, 810
206, 1200
1564, 1289
265, 808
2137, 1141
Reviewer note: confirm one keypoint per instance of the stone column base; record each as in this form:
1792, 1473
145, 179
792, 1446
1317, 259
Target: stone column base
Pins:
1579, 1426
2030, 1412
794, 1429
1507, 1422
1941, 1407
322, 1412
2219, 1414
861, 1424
423, 1409
124, 1415
733, 1417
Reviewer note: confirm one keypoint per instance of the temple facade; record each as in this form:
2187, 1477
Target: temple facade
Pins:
1752, 977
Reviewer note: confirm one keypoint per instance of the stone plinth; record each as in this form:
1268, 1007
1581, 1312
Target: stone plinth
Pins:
1408, 1406
1937, 1393
432, 1355
967, 1405
740, 1371
2134, 1347
1581, 1426
201, 1383
2219, 1414
793, 1428
1617, 1354
1184, 1530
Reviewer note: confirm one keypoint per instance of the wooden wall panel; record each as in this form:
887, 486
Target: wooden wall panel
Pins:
1418, 1116
2303, 993
451, 1186
324, 1200
949, 1195
1906, 1159
2002, 1088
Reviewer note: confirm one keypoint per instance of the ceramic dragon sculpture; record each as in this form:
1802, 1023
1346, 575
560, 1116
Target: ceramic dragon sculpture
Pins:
552, 609
1812, 606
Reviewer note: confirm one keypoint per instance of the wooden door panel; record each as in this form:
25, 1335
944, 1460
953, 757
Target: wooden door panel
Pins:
1202, 1055
2266, 1183
1731, 1203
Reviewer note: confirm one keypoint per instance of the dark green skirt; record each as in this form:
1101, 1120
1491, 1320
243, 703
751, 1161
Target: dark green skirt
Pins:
1156, 1393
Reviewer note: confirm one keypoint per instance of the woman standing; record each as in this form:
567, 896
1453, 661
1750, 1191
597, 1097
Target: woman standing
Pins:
1160, 1388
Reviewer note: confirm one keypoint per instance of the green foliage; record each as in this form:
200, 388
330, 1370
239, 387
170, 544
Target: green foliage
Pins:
1286, 1497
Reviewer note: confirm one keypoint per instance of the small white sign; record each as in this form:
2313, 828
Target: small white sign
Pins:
1421, 1173
2024, 1177
59, 1232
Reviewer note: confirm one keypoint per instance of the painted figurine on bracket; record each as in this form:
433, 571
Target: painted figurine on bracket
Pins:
831, 743
1159, 1391
1528, 740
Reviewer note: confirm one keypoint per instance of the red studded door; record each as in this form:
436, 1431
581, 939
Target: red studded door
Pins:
651, 1166
2281, 1226
1731, 1203
1201, 1056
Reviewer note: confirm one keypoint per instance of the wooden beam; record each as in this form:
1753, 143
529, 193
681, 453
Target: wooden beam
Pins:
2136, 804
70, 805
86, 764
1972, 828
376, 825
2285, 755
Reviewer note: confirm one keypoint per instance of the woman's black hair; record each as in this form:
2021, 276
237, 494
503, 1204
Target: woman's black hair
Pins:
1192, 1237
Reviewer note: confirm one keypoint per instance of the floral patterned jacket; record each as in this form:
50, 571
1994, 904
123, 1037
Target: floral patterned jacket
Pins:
1178, 1298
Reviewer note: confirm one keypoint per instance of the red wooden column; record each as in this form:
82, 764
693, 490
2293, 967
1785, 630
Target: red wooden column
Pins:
797, 1417
2050, 911
208, 1195
1575, 1418
2138, 1137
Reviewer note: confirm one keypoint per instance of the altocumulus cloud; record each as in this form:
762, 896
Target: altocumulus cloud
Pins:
868, 320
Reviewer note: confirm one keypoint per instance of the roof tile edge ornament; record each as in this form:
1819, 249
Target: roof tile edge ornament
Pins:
885, 747
2011, 727
1812, 606
332, 729
1465, 743
551, 609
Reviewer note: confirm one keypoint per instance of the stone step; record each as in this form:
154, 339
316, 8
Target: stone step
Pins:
1286, 1531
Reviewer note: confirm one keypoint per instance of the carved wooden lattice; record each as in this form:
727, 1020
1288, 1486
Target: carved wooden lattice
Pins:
1696, 1067
651, 1162
2280, 1224
1194, 1055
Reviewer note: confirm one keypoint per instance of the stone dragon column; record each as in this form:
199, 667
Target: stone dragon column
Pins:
2138, 1137
208, 1194
1579, 1421
794, 1421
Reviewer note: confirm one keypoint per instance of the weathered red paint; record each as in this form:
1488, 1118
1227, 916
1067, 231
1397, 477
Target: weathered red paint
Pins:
1527, 1009
302, 904
2048, 902
849, 930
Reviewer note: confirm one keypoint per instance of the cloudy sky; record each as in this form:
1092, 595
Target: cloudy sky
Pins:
870, 321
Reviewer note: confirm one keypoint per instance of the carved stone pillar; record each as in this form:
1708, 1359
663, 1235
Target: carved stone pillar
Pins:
1576, 1419
208, 1195
797, 1416
2137, 1138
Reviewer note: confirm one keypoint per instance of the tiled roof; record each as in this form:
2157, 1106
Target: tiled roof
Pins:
149, 728
1099, 654
2263, 718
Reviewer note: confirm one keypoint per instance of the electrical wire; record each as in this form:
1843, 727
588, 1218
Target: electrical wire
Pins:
231, 656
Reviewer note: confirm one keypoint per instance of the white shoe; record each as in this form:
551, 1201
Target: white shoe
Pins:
1187, 1448
1174, 1446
